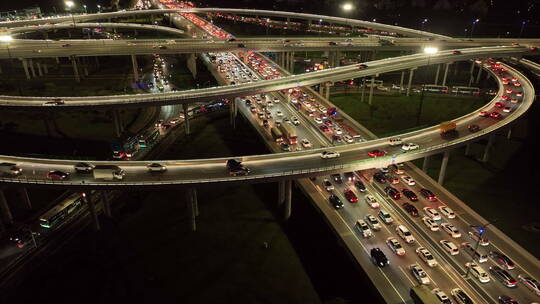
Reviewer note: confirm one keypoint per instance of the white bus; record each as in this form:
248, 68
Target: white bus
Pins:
433, 88
466, 90
58, 214
377, 83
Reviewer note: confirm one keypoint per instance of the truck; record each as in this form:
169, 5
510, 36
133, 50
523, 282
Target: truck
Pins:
235, 168
10, 169
276, 135
289, 132
108, 172
448, 130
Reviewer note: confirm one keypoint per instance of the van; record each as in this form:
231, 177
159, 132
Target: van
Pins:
363, 228
395, 141
477, 256
10, 169
405, 234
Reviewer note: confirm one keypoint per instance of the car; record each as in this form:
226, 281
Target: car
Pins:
502, 276
371, 201
504, 299
530, 283
156, 167
166, 126
426, 256
66, 45
419, 274
324, 128
441, 296
279, 113
174, 121
432, 213
379, 177
460, 296
337, 178
428, 195
397, 168
473, 128
318, 120
476, 236
265, 123
328, 185
483, 114
502, 260
329, 154
392, 192
241, 45
410, 209
328, 123
332, 43
295, 121
376, 153
478, 272
495, 115
384, 170
54, 103
348, 138
509, 90
395, 141
349, 177
507, 109
360, 186
449, 247
385, 217
350, 196
395, 246
408, 180
456, 52
391, 178
447, 211
362, 66
335, 201
475, 254
405, 234
363, 228
372, 222
409, 194
83, 167
306, 143
451, 230
57, 174
430, 223
378, 257
499, 105
409, 147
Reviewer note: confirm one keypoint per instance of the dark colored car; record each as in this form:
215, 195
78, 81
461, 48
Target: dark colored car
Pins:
503, 276
362, 66
507, 300
410, 209
57, 174
349, 176
473, 128
350, 196
360, 186
241, 45
379, 177
265, 123
428, 194
332, 43
392, 192
456, 52
409, 194
378, 257
337, 178
501, 259
335, 201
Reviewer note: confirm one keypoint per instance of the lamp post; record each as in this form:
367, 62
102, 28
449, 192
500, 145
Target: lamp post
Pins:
481, 230
428, 51
69, 5
473, 24
522, 28
348, 7
99, 8
424, 23
84, 6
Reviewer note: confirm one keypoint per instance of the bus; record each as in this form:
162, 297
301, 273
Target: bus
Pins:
433, 88
466, 90
422, 295
148, 138
58, 214
377, 83
276, 134
289, 132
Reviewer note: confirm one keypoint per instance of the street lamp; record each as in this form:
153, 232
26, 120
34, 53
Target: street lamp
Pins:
423, 23
99, 8
473, 24
84, 6
347, 7
69, 4
522, 27
428, 50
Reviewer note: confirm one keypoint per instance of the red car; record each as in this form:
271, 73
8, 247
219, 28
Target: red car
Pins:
362, 66
495, 115
328, 123
484, 114
533, 48
324, 128
517, 84
509, 90
456, 52
428, 194
499, 105
350, 196
165, 126
505, 97
376, 153
56, 174
519, 94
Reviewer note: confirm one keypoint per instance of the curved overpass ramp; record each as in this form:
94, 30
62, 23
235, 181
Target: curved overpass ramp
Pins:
61, 26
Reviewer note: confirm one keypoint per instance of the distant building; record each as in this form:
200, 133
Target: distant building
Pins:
26, 13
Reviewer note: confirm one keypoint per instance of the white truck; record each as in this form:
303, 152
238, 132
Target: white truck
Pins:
108, 172
10, 169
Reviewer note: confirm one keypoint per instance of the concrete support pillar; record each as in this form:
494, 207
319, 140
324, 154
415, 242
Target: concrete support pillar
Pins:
106, 204
97, 61
185, 106
135, 67
23, 194
292, 63
57, 60
192, 64
288, 198
45, 68
191, 208
401, 81
370, 99
444, 163
327, 91
363, 89
116, 122
437, 74
491, 141
75, 69
93, 211
233, 110
25, 66
195, 201
31, 63
281, 193
479, 74
468, 149
321, 89
425, 164
445, 73
411, 73
40, 71
471, 72
82, 62
509, 133
4, 208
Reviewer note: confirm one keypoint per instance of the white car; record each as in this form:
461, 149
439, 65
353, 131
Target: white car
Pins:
318, 120
405, 234
426, 256
276, 100
348, 138
441, 296
395, 246
279, 113
363, 228
338, 131
409, 147
419, 274
449, 213
408, 180
372, 222
478, 272
305, 143
449, 247
385, 216
430, 223
451, 230
328, 185
156, 167
295, 121
329, 154
432, 213
372, 201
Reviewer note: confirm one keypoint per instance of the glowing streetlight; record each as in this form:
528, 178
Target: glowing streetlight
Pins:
6, 38
69, 4
347, 7
431, 50
473, 24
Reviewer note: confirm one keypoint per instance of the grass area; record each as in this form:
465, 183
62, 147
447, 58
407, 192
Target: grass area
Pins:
393, 113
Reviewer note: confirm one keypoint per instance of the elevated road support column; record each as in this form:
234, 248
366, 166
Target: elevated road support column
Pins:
444, 164
234, 111
445, 73
192, 65
468, 149
191, 204
31, 62
185, 107
425, 164
116, 122
287, 197
437, 74
471, 72
479, 74
292, 63
411, 73
401, 82
92, 207
25, 66
327, 86
23, 194
75, 69
281, 193
40, 71
106, 204
491, 141
135, 67
370, 99
4, 208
